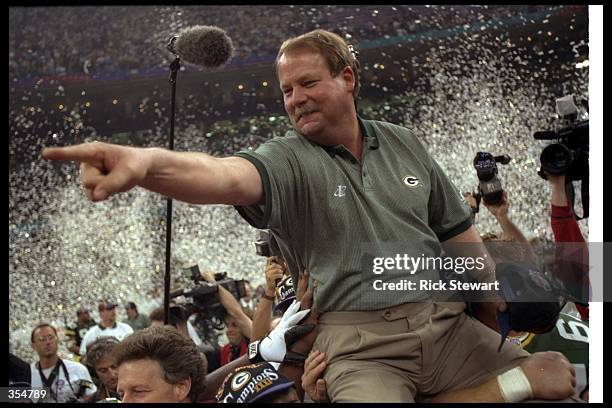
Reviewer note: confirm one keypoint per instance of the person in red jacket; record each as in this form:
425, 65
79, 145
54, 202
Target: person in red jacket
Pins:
565, 229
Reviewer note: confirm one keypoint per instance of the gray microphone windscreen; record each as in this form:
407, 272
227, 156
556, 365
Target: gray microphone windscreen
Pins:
207, 46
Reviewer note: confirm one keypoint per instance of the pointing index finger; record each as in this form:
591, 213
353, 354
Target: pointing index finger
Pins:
86, 152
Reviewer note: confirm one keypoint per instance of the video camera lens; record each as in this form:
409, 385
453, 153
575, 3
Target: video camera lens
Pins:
556, 159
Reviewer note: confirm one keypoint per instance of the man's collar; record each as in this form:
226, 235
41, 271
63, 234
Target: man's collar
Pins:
367, 132
104, 328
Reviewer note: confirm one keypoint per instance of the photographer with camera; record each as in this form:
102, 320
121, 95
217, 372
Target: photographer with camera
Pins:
238, 325
565, 229
66, 380
561, 164
510, 231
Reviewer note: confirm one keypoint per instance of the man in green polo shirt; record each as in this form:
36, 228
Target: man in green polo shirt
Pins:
333, 191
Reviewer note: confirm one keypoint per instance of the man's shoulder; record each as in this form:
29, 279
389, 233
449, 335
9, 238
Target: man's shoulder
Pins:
391, 129
291, 140
91, 330
74, 326
75, 365
124, 326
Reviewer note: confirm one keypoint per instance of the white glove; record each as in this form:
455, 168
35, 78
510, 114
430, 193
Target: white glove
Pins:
273, 348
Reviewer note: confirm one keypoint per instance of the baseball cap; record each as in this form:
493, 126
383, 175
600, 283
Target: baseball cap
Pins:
106, 304
534, 300
285, 293
252, 382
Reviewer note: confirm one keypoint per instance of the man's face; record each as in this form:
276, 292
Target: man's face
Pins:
45, 342
107, 373
109, 316
234, 335
130, 312
84, 317
143, 381
315, 101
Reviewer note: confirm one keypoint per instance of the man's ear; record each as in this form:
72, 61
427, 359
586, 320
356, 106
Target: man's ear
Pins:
349, 78
182, 388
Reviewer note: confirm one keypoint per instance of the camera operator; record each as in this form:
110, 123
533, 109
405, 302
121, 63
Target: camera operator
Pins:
565, 229
510, 232
238, 325
67, 380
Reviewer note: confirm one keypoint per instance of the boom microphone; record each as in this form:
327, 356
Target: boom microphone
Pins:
207, 46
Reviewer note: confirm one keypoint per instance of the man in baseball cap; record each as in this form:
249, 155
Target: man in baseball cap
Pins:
108, 326
257, 383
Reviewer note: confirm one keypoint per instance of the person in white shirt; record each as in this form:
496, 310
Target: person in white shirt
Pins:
65, 380
108, 326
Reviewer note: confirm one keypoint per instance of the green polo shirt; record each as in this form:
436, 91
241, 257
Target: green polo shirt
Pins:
322, 205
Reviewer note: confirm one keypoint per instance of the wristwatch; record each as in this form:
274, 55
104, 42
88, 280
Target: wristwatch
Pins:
271, 298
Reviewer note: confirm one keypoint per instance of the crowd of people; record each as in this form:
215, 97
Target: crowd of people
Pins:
72, 48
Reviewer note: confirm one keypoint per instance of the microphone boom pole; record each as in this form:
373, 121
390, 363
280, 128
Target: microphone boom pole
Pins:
207, 46
174, 68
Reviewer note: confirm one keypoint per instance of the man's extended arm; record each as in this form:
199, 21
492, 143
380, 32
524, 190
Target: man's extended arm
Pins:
195, 178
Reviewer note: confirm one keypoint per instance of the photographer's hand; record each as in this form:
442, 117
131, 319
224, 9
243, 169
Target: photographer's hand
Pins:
274, 273
500, 210
470, 199
208, 276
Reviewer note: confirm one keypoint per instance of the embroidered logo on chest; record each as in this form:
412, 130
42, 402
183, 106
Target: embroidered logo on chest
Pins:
340, 191
411, 181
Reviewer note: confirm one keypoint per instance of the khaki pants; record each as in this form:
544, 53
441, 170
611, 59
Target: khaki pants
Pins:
407, 352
